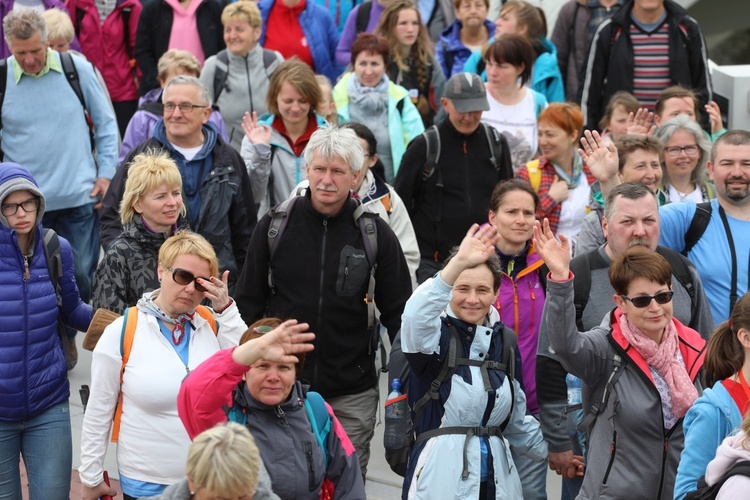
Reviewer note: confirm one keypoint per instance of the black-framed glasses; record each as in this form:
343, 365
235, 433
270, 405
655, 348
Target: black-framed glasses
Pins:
29, 206
185, 107
690, 150
645, 300
184, 278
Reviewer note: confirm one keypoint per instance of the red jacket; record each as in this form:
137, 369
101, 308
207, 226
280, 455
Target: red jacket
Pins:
104, 44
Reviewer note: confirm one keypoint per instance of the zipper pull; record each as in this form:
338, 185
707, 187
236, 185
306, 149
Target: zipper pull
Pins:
26, 274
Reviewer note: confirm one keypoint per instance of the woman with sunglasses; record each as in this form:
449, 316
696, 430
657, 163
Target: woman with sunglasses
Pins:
150, 211
265, 395
171, 337
641, 370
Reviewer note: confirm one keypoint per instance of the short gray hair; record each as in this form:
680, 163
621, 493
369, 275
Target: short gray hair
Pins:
336, 141
683, 122
191, 80
22, 24
630, 191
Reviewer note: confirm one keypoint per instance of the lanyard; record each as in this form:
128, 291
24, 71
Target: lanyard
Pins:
733, 294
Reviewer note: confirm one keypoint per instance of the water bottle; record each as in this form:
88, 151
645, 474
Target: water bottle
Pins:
396, 418
574, 389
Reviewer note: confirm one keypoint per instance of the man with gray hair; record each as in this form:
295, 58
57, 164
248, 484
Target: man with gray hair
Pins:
45, 126
350, 255
216, 187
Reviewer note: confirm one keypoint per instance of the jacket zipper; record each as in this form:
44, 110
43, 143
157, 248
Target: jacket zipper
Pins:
310, 466
346, 274
667, 436
532, 317
612, 451
318, 354
249, 86
26, 336
279, 412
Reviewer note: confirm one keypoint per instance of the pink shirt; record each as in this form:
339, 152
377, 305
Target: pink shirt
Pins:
184, 34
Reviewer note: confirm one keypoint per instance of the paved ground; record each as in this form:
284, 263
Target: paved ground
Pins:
382, 483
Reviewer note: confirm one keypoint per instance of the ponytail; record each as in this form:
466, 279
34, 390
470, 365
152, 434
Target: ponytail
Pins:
724, 355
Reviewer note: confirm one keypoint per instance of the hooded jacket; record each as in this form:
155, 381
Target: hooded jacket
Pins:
33, 371
731, 451
449, 48
283, 433
712, 417
629, 449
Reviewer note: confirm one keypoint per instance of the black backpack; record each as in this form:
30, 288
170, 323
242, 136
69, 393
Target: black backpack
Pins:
53, 254
363, 16
705, 492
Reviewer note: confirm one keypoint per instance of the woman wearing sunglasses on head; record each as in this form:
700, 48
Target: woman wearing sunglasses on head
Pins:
142, 358
641, 368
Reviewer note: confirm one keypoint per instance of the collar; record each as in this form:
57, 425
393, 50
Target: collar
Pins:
298, 146
53, 63
295, 9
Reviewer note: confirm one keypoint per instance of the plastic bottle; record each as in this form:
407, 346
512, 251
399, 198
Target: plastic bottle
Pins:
574, 389
396, 418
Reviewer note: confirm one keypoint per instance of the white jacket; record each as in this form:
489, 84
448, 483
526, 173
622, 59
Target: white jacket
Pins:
153, 443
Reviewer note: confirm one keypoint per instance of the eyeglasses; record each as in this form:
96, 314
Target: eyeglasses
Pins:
691, 150
29, 206
185, 107
184, 278
645, 300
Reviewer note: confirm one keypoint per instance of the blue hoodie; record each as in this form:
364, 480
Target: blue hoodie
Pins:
33, 371
449, 51
712, 417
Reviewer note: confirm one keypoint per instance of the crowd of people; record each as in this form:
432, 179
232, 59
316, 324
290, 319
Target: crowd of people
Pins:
241, 203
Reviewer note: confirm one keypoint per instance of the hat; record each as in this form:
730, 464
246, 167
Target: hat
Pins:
17, 178
467, 93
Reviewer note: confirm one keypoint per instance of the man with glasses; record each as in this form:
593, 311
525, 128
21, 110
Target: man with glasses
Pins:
631, 218
216, 187
716, 235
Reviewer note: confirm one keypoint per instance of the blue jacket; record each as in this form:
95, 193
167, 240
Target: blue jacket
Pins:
449, 48
33, 372
321, 33
712, 417
545, 77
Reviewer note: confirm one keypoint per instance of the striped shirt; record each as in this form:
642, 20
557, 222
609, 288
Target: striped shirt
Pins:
650, 63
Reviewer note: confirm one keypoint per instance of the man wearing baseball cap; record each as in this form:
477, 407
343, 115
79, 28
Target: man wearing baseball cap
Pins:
447, 174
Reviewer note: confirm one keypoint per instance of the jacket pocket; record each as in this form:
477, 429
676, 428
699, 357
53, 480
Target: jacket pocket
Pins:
307, 446
612, 452
354, 271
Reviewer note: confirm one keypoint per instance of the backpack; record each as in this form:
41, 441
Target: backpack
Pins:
363, 17
53, 254
582, 265
398, 459
221, 73
698, 226
130, 321
71, 74
705, 492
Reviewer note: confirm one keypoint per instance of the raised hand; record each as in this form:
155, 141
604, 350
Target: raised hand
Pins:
256, 133
217, 291
602, 160
475, 249
556, 254
279, 345
714, 115
642, 123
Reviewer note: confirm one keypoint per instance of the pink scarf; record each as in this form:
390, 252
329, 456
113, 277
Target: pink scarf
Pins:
663, 357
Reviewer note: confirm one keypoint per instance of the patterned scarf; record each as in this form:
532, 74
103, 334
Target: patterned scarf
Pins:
663, 358
147, 305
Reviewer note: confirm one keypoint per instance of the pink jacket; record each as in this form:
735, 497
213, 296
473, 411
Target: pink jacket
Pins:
729, 453
104, 44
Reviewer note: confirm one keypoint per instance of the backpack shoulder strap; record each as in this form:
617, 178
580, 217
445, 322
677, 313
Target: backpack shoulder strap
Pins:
681, 270
155, 107
130, 321
205, 313
363, 16
3, 83
510, 344
493, 140
432, 141
698, 226
581, 267
71, 74
221, 72
535, 174
279, 220
618, 362
320, 420
449, 366
270, 61
53, 254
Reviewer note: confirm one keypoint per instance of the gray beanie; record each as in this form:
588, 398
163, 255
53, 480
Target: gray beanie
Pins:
21, 184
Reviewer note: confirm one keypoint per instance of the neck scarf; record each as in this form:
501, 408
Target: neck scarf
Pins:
574, 179
147, 305
663, 357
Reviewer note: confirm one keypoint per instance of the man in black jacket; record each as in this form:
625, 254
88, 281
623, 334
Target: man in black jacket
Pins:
647, 46
316, 269
445, 197
216, 187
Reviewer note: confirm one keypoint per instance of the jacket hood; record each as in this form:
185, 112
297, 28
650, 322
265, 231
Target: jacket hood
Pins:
209, 131
14, 177
729, 453
712, 397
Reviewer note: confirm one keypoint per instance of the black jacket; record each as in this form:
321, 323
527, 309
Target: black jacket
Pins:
468, 179
610, 61
155, 28
228, 214
321, 276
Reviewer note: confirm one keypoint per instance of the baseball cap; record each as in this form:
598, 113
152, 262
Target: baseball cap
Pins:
467, 93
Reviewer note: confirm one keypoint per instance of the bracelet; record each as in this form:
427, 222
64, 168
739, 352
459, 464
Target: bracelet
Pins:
219, 311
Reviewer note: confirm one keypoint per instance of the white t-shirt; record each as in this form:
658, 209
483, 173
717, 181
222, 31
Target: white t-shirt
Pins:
675, 196
188, 153
573, 211
518, 124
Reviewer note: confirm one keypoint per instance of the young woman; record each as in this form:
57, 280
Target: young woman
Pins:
718, 413
464, 36
734, 449
412, 64
514, 108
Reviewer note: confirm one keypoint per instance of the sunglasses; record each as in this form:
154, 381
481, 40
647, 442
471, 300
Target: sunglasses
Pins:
645, 300
184, 278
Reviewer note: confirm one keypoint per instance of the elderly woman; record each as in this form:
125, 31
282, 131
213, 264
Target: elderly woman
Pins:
684, 158
263, 393
150, 211
139, 363
34, 388
641, 369
452, 315
367, 96
238, 77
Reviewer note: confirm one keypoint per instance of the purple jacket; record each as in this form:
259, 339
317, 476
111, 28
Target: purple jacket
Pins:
7, 5
520, 304
344, 49
141, 126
